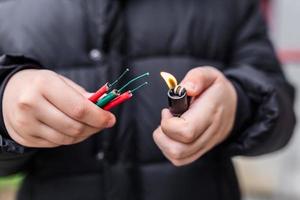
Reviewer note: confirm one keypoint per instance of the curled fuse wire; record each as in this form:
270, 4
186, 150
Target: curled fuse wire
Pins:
108, 98
106, 87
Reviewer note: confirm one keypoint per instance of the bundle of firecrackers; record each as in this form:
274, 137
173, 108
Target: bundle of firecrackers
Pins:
108, 97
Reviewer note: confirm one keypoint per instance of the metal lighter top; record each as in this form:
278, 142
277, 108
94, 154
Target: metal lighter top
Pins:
177, 95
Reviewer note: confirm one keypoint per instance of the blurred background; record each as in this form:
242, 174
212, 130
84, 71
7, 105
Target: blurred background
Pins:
277, 176
271, 177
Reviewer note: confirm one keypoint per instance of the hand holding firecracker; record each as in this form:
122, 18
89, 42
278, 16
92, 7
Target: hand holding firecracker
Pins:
206, 123
44, 109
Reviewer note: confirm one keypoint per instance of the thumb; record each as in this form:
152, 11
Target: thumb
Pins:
199, 79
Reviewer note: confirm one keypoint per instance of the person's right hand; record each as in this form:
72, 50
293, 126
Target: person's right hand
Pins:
44, 109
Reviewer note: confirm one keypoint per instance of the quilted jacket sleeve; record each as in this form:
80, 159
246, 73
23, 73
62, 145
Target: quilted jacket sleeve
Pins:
265, 119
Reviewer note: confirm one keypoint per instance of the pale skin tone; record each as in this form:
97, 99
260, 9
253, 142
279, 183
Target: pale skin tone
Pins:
43, 109
206, 124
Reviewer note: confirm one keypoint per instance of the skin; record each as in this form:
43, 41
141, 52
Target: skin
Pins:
43, 109
207, 123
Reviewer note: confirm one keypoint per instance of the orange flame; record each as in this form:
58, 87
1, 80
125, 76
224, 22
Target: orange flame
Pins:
169, 79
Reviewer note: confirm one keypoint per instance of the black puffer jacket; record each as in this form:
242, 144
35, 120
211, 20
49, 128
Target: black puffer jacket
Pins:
89, 40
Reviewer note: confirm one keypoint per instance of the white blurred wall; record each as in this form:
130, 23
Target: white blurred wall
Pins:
286, 24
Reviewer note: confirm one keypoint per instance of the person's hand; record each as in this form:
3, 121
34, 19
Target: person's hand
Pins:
44, 109
208, 121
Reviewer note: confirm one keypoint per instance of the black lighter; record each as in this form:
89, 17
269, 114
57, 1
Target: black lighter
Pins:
178, 99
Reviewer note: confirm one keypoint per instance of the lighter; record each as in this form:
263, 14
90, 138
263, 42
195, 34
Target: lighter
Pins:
179, 101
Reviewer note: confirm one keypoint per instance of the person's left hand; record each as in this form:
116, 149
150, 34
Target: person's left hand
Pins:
208, 121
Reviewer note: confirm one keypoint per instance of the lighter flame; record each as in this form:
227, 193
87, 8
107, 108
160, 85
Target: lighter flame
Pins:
169, 79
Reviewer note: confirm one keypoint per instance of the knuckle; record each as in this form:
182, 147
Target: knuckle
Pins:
156, 135
164, 125
26, 101
103, 121
177, 163
220, 84
79, 111
76, 141
175, 153
77, 129
56, 138
40, 79
188, 134
168, 128
66, 140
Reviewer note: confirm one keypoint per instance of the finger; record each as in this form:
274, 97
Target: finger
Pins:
54, 118
211, 138
178, 150
166, 114
188, 160
190, 125
28, 140
197, 155
198, 79
31, 129
178, 129
54, 136
20, 125
76, 106
171, 150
